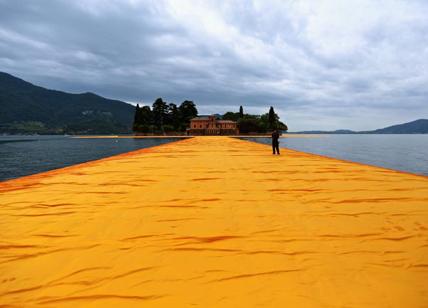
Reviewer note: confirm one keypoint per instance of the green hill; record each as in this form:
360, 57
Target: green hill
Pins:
26, 108
415, 127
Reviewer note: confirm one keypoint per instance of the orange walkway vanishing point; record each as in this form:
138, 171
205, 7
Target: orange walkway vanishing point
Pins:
214, 222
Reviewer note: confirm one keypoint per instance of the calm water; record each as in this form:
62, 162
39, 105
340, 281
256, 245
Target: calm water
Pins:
399, 152
24, 155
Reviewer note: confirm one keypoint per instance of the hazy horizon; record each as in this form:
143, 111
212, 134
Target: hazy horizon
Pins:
358, 65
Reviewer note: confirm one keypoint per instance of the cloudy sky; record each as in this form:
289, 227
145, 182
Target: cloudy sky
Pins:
322, 64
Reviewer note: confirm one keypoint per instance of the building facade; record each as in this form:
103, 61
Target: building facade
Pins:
211, 126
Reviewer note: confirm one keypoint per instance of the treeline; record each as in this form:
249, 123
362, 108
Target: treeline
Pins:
163, 117
251, 123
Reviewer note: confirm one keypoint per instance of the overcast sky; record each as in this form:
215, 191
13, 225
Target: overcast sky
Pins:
357, 64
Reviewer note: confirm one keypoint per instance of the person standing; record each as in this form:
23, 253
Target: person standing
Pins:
275, 142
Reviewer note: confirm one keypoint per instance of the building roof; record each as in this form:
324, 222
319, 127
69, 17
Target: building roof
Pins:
200, 119
206, 118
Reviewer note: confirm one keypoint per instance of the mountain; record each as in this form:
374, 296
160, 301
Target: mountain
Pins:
415, 127
26, 108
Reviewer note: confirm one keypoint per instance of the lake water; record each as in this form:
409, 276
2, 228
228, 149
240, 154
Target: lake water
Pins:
25, 155
400, 152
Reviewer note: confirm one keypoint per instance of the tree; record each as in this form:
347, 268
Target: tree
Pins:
137, 118
255, 123
168, 117
173, 117
146, 119
143, 119
264, 121
249, 125
159, 110
187, 110
233, 116
146, 115
282, 126
273, 119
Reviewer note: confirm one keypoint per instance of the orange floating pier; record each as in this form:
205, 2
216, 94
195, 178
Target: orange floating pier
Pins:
214, 222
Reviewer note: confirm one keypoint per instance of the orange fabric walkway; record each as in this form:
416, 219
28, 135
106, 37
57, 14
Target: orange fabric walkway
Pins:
214, 222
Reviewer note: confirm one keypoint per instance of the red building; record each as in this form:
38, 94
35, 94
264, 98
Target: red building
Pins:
211, 126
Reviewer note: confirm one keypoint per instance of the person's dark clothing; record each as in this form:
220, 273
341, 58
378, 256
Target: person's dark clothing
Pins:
275, 142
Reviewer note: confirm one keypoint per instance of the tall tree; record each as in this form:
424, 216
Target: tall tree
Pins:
146, 115
173, 116
137, 118
273, 118
143, 119
159, 110
241, 112
187, 111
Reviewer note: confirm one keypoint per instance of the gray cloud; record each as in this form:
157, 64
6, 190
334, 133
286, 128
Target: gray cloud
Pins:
323, 65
